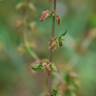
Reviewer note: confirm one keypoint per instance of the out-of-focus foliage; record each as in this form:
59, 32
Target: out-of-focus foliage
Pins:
78, 17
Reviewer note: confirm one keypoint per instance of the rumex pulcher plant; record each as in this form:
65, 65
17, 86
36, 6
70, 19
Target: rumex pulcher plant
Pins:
67, 86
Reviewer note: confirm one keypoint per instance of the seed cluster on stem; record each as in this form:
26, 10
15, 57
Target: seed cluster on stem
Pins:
68, 83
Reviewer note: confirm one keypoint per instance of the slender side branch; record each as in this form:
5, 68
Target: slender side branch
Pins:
27, 47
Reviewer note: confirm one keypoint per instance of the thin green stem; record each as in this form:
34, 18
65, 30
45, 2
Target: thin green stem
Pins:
49, 75
53, 28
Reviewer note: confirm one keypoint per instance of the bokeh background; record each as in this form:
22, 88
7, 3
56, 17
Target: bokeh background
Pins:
78, 17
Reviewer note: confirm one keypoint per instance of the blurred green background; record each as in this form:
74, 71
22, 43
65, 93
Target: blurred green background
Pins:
78, 17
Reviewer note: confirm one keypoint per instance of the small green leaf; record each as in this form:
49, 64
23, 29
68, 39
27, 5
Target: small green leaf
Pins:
61, 39
67, 78
60, 43
62, 35
38, 68
54, 92
53, 66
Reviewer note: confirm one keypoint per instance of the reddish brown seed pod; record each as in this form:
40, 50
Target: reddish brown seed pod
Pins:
58, 19
45, 15
53, 44
47, 65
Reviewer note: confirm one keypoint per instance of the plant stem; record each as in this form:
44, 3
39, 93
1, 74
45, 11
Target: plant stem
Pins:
49, 75
53, 25
53, 29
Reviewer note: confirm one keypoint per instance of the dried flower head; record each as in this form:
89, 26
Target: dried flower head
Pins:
45, 15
